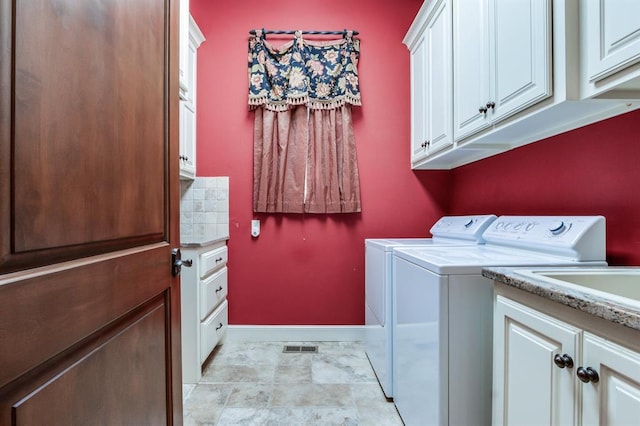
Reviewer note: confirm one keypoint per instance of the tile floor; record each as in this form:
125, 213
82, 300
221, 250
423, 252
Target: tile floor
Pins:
257, 384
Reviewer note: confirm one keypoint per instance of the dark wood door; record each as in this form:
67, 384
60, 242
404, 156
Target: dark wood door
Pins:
89, 310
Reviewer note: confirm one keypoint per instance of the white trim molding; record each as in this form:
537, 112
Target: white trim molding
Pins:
295, 333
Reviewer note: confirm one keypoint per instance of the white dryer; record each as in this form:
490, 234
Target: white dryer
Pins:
448, 230
442, 318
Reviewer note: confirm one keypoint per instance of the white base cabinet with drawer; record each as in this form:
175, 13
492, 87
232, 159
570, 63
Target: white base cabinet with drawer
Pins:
560, 371
204, 306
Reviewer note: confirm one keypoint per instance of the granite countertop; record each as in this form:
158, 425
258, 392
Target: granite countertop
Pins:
203, 243
599, 305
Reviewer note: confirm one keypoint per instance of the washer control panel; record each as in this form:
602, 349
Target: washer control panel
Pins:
550, 234
462, 227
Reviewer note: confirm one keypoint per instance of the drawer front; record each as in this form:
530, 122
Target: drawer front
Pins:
213, 290
212, 329
212, 260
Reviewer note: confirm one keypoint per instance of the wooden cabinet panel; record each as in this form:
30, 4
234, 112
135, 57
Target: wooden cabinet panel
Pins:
107, 172
89, 195
132, 391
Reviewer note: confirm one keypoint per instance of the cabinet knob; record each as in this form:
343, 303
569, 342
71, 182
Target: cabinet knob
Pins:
482, 109
563, 361
587, 375
491, 104
425, 144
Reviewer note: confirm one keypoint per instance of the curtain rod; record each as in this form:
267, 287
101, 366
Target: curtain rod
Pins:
253, 32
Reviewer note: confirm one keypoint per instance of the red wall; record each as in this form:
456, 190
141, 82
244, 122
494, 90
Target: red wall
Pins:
588, 171
309, 269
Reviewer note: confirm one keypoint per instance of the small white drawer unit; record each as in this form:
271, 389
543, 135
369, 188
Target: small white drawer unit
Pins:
204, 306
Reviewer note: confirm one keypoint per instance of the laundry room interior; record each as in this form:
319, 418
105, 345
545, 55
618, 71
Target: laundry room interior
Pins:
304, 275
320, 212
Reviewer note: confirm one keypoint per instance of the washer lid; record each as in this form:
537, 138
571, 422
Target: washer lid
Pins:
471, 259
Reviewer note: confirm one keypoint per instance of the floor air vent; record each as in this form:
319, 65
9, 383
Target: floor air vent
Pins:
300, 349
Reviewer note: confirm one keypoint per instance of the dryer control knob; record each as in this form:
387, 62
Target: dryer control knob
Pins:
557, 228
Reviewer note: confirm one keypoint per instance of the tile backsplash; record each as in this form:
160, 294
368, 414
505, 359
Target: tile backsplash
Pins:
204, 209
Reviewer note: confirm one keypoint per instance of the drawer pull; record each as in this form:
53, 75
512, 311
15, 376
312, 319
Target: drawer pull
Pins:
219, 289
219, 326
219, 260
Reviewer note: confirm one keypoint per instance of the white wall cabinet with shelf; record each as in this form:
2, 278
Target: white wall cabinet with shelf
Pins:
204, 306
188, 88
516, 79
552, 371
429, 41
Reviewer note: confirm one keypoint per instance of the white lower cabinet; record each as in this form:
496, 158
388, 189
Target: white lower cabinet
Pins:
204, 306
615, 398
550, 372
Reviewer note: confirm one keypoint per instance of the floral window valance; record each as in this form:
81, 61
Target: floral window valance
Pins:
318, 74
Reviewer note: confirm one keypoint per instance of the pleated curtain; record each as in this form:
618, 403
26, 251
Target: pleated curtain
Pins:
304, 147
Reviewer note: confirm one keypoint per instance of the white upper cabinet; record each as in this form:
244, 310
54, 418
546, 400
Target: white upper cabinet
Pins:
429, 41
611, 45
520, 55
471, 87
518, 74
188, 89
183, 46
502, 60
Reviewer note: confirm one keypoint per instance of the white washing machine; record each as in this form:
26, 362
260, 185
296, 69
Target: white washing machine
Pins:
442, 318
449, 230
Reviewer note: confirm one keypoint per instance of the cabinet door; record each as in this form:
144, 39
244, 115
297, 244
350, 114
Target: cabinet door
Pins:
470, 67
615, 398
184, 46
521, 54
439, 80
187, 141
528, 387
613, 36
418, 101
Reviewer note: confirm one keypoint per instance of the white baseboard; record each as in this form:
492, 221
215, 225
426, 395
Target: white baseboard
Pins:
294, 333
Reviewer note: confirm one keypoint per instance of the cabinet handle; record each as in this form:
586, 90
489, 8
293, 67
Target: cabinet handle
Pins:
425, 144
219, 260
563, 361
482, 109
219, 327
219, 289
587, 375
491, 104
